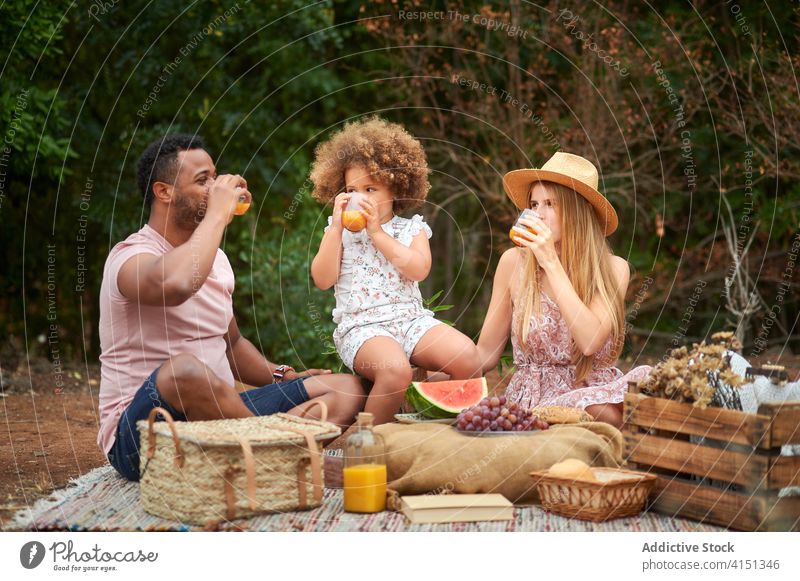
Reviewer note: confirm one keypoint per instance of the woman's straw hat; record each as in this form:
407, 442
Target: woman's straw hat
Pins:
572, 171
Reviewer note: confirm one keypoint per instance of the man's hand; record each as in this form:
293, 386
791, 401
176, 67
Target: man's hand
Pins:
307, 373
248, 364
224, 195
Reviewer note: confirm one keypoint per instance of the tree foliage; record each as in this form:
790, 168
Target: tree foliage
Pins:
705, 119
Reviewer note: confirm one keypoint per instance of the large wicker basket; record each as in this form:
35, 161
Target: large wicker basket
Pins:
617, 493
199, 472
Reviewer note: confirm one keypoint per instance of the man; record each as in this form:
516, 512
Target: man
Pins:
168, 335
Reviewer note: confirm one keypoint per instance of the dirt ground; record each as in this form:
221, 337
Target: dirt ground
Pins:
48, 437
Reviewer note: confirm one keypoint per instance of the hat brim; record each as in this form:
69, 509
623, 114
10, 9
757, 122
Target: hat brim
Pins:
516, 183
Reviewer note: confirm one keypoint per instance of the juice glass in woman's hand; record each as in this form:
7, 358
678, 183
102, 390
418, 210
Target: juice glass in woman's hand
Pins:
519, 230
352, 217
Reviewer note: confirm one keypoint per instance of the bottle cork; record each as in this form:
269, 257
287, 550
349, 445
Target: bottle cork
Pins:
365, 419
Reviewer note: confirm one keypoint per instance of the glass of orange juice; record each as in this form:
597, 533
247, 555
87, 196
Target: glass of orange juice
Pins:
242, 205
352, 217
519, 230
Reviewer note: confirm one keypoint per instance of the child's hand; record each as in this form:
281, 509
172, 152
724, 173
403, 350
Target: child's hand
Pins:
338, 207
370, 210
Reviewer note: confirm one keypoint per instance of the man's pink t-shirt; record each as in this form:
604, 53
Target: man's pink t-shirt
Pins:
136, 339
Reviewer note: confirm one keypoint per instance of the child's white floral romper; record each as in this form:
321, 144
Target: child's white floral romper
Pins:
372, 298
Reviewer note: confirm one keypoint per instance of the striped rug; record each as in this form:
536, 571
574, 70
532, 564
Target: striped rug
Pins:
103, 501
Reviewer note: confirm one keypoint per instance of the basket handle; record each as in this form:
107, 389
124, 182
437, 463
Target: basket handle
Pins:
151, 436
316, 467
322, 406
250, 470
316, 475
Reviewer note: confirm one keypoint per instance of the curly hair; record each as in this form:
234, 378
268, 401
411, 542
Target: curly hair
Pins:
386, 150
159, 161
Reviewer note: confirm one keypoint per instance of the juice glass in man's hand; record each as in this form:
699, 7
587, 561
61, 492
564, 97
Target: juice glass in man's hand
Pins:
243, 204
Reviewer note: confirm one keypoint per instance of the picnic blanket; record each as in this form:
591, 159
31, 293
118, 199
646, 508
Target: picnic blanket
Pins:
104, 501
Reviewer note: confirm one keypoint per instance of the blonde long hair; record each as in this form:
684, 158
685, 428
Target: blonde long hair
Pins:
585, 256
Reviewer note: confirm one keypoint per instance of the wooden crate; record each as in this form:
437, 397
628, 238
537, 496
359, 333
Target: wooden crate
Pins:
740, 450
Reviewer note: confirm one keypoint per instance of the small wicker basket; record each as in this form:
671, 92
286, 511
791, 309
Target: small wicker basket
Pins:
617, 493
200, 472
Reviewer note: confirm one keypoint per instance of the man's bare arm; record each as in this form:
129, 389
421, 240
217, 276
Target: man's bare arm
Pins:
170, 279
248, 364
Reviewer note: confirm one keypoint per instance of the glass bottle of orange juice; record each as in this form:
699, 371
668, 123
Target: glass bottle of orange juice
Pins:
364, 471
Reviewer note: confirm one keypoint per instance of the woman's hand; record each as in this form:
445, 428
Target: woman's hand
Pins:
540, 241
339, 203
370, 209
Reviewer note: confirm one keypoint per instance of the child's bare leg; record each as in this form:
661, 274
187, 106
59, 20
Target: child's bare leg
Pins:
382, 360
446, 349
611, 413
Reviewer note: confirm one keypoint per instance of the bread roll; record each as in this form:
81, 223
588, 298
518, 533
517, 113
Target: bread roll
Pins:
554, 414
573, 469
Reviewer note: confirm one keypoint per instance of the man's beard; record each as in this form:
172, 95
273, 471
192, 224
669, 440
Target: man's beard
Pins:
188, 211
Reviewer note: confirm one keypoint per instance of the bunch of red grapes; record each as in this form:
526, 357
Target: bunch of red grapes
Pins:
494, 414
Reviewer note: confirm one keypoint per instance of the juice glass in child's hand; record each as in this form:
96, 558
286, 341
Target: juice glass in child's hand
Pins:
520, 230
242, 205
352, 217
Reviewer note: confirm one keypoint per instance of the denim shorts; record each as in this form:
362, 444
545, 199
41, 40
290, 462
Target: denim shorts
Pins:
262, 401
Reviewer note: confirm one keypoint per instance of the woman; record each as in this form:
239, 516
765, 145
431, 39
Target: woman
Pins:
561, 295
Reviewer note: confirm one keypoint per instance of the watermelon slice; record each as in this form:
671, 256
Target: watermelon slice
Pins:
446, 399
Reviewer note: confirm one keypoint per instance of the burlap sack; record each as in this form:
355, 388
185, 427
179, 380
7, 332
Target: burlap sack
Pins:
428, 458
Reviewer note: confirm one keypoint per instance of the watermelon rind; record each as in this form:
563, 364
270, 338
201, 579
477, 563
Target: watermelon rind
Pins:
436, 411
